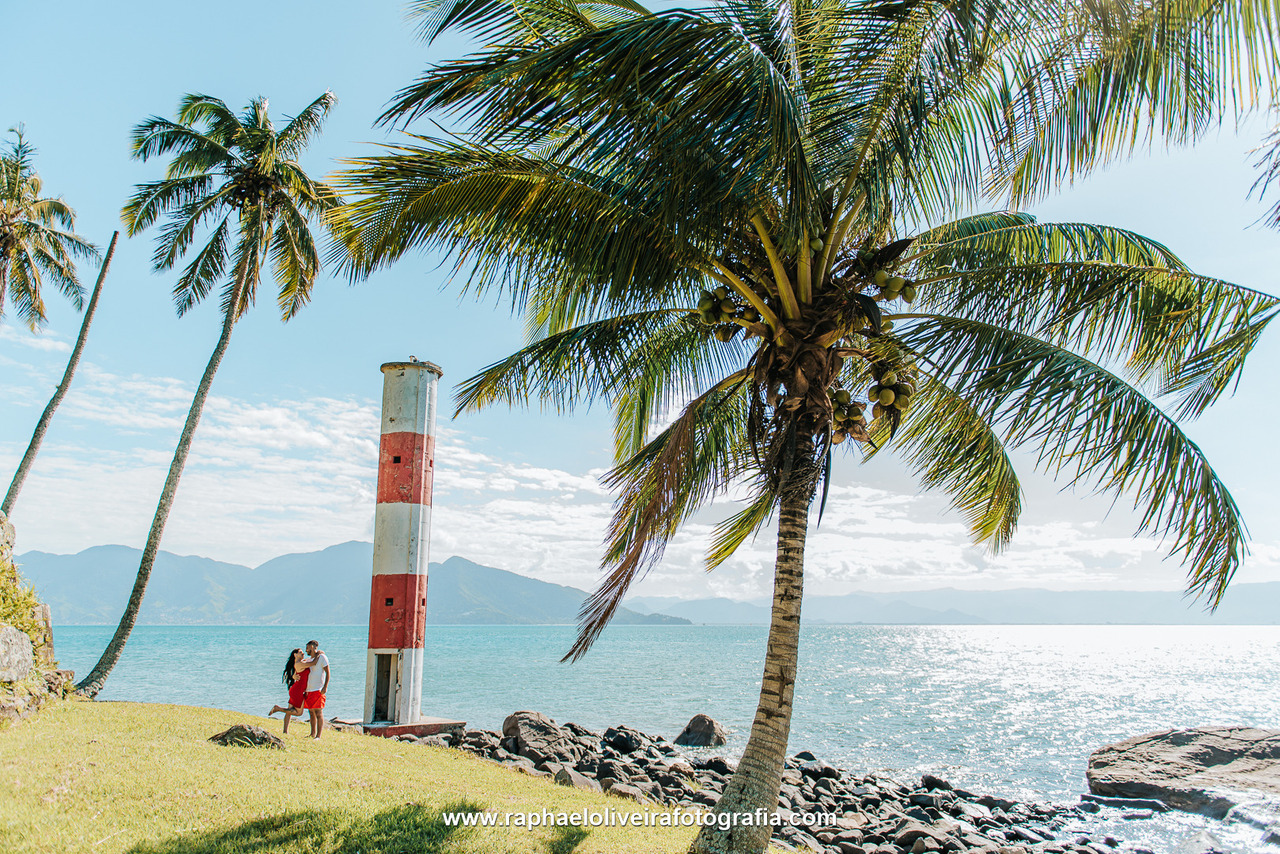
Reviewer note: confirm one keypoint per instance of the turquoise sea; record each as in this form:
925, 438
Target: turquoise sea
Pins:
1006, 710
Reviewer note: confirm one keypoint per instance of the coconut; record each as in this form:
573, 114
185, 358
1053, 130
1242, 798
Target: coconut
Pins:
881, 278
889, 378
842, 397
751, 315
897, 283
877, 411
816, 244
724, 333
887, 326
706, 302
903, 402
886, 396
727, 306
909, 293
721, 292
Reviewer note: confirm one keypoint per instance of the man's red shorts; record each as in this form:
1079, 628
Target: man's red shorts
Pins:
313, 700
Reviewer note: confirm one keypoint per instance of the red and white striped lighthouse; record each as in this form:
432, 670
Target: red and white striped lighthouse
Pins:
401, 539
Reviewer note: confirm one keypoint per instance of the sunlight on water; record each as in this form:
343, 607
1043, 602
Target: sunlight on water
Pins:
1010, 710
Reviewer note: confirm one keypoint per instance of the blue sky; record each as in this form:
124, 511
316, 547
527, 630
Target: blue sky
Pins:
284, 460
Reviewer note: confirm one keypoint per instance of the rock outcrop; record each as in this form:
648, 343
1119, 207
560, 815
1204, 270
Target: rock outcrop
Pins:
874, 815
1207, 770
28, 675
702, 731
17, 658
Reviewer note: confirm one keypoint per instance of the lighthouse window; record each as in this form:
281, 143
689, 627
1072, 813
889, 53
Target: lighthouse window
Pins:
395, 460
390, 601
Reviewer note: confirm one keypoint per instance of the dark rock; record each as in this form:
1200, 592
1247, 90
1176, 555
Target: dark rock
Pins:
907, 832
624, 739
817, 768
702, 731
716, 764
1207, 770
569, 777
240, 735
928, 781
622, 790
538, 738
996, 803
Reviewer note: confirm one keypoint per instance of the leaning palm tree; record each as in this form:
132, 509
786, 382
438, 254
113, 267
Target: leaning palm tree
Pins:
73, 362
37, 236
747, 223
238, 178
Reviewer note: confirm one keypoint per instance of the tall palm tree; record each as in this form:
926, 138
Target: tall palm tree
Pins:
751, 216
37, 236
73, 362
237, 178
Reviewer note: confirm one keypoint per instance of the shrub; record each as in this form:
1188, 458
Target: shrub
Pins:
18, 603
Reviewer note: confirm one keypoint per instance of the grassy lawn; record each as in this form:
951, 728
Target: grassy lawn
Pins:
142, 778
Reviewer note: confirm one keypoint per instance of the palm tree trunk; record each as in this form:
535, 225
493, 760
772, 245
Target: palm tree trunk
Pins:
92, 684
29, 458
755, 784
4, 277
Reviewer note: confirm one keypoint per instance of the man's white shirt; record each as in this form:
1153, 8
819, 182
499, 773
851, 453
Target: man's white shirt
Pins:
316, 675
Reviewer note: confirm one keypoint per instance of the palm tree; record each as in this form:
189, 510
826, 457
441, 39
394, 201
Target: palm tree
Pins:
238, 178
37, 236
751, 216
73, 361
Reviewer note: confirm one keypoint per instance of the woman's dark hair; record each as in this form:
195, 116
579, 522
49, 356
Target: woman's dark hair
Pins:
289, 676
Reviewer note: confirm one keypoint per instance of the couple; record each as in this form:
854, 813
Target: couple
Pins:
307, 680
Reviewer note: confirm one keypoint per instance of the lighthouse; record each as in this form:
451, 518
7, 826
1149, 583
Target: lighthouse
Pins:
401, 540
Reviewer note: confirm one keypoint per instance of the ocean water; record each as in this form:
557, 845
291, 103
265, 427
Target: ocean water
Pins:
1013, 711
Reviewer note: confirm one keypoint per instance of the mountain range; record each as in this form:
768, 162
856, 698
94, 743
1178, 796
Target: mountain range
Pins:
331, 587
328, 587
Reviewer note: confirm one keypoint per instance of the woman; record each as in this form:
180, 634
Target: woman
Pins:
295, 679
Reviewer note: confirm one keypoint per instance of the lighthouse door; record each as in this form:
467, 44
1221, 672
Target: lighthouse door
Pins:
382, 688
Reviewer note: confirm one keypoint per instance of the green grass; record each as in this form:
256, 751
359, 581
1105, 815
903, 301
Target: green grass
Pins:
142, 778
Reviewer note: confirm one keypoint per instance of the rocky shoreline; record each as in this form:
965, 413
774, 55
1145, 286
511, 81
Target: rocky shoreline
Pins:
877, 815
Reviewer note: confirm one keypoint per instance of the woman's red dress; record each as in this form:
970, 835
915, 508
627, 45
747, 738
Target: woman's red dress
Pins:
298, 689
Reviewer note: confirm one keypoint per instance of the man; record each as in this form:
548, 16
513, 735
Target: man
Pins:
317, 684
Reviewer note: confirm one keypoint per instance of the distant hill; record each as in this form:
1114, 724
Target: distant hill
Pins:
331, 587
1244, 604
328, 587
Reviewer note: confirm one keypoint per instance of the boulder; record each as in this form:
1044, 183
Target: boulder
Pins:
16, 656
247, 736
536, 736
702, 731
569, 777
624, 739
622, 790
1207, 770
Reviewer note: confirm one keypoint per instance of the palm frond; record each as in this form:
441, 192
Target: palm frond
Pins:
660, 487
1080, 417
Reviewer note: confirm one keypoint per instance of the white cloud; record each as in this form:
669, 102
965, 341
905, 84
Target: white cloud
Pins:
270, 477
45, 341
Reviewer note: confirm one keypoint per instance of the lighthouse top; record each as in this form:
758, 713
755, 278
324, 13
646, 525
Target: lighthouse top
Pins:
427, 366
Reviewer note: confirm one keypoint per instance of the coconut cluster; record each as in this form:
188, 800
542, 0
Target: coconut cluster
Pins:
889, 396
847, 416
892, 389
250, 189
718, 309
